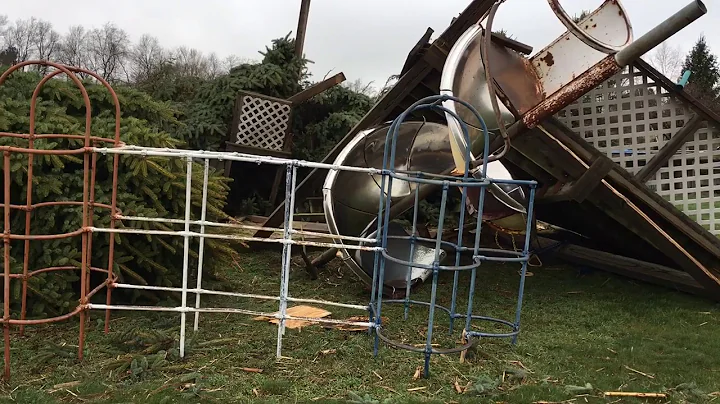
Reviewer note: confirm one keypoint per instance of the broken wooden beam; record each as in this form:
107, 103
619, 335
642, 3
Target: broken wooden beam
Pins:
669, 149
625, 266
581, 188
510, 43
619, 207
317, 88
415, 52
640, 193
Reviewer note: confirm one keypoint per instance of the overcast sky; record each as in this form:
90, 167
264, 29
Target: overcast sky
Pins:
365, 39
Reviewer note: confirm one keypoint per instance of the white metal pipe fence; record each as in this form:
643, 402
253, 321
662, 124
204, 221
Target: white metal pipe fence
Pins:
199, 229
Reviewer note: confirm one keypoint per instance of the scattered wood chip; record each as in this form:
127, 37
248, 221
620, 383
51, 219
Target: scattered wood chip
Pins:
632, 394
328, 351
639, 372
376, 374
67, 385
611, 350
256, 392
555, 402
520, 364
417, 388
252, 370
458, 387
418, 372
297, 311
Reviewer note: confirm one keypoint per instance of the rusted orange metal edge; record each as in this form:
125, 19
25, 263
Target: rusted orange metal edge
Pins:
87, 205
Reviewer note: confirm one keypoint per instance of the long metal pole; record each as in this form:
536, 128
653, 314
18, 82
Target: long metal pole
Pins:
302, 27
201, 248
661, 32
186, 255
6, 264
287, 252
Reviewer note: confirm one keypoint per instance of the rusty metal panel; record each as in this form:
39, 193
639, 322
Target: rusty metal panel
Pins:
569, 55
516, 79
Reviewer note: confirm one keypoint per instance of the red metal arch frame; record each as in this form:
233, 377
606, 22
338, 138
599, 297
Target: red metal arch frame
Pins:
87, 204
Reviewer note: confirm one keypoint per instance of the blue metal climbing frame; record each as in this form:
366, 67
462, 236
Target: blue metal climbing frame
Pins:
473, 177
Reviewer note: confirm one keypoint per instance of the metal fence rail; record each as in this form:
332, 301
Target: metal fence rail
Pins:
289, 238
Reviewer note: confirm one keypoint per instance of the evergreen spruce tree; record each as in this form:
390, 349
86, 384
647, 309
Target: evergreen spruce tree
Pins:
705, 73
192, 114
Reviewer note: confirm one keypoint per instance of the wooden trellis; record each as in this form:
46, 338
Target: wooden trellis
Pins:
262, 125
651, 132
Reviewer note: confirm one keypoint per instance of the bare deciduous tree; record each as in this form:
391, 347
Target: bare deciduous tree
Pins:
667, 60
190, 62
231, 61
73, 49
21, 36
214, 65
46, 41
108, 48
146, 57
109, 52
363, 88
3, 27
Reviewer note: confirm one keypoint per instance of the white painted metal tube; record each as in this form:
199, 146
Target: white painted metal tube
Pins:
186, 254
201, 248
661, 32
230, 237
306, 233
287, 252
237, 294
204, 231
222, 156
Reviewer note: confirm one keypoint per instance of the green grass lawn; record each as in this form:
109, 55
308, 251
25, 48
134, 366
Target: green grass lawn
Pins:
578, 327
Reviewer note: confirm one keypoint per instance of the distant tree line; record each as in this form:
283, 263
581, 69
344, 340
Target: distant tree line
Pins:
106, 50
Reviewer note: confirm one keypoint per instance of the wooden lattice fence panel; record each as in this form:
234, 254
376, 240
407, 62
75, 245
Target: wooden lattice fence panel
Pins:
261, 121
630, 117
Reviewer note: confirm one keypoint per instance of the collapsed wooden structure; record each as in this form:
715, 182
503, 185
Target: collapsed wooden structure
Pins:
630, 228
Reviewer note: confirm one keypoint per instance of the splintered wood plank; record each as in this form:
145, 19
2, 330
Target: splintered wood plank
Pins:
471, 15
637, 269
669, 149
317, 88
641, 194
619, 207
415, 53
297, 311
580, 189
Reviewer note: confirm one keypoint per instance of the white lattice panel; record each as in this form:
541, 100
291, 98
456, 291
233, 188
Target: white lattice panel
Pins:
262, 123
629, 118
691, 179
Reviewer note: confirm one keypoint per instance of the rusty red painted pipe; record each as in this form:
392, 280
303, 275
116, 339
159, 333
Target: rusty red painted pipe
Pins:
88, 204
